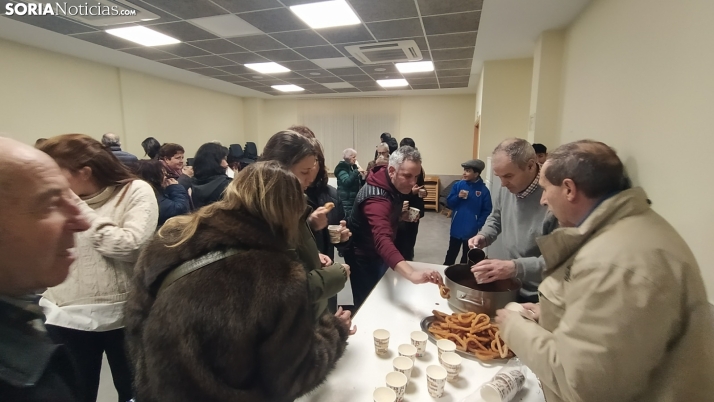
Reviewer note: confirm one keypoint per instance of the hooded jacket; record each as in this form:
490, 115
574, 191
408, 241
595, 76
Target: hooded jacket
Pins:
375, 218
208, 190
238, 329
624, 313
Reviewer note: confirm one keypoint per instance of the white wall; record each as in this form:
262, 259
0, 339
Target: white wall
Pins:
638, 76
179, 113
47, 94
506, 102
441, 126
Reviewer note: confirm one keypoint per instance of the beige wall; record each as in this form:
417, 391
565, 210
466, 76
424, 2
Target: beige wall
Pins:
506, 102
175, 112
546, 89
443, 129
46, 94
638, 76
441, 126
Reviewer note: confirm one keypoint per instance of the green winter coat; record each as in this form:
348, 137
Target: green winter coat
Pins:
348, 184
323, 282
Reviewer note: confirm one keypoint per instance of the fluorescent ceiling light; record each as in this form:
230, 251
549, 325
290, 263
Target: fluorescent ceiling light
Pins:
393, 83
287, 88
338, 85
326, 14
267, 68
334, 62
143, 36
226, 26
415, 67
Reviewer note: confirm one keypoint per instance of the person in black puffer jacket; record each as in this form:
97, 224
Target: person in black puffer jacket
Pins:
407, 231
209, 174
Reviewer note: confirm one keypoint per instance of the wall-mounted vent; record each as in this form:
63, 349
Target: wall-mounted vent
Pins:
103, 12
386, 52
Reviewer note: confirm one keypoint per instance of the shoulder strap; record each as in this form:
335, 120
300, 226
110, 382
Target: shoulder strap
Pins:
194, 265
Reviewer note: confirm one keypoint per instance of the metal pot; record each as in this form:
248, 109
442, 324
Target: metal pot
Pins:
486, 298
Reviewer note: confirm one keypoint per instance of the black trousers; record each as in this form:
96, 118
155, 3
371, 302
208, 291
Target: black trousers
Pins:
454, 246
365, 274
406, 239
86, 348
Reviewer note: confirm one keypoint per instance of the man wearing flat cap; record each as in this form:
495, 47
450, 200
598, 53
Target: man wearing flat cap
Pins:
470, 202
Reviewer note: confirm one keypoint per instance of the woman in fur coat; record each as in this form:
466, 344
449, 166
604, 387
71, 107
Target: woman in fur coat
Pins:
221, 310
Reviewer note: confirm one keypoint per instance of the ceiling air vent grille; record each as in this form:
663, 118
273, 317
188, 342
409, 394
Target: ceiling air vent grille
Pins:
375, 53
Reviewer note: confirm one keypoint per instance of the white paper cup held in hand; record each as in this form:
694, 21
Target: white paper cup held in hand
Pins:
335, 233
435, 380
398, 383
381, 341
407, 350
413, 214
384, 394
452, 363
445, 345
419, 339
403, 365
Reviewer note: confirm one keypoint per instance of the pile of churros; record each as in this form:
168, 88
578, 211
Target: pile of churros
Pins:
472, 333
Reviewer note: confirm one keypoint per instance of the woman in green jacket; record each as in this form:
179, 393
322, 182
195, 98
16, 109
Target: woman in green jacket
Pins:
298, 154
349, 179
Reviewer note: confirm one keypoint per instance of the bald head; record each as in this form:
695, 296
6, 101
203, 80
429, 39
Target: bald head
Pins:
39, 216
110, 139
18, 164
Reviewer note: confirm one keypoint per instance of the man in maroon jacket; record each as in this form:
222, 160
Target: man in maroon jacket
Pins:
374, 220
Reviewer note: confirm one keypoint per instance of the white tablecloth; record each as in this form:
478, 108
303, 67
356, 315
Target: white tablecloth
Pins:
399, 306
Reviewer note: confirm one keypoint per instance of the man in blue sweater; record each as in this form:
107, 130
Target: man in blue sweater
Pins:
470, 202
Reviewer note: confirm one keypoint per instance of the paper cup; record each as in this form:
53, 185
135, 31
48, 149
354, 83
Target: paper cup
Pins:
452, 363
381, 341
403, 365
419, 339
422, 192
435, 380
335, 231
384, 394
407, 350
398, 383
413, 214
445, 345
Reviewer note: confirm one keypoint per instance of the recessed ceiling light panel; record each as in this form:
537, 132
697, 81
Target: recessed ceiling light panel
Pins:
267, 68
143, 36
226, 26
415, 67
287, 88
326, 14
393, 83
338, 85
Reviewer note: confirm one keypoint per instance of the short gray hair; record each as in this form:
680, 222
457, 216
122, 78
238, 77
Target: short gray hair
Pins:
383, 145
518, 150
405, 153
110, 139
348, 153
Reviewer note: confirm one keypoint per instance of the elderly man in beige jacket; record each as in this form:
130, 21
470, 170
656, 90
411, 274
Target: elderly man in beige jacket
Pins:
623, 314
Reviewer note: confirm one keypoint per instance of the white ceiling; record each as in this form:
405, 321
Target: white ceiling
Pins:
508, 29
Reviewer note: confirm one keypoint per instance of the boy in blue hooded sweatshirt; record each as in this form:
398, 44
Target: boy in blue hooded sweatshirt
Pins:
471, 204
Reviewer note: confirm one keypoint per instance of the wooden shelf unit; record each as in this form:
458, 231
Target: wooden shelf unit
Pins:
431, 201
